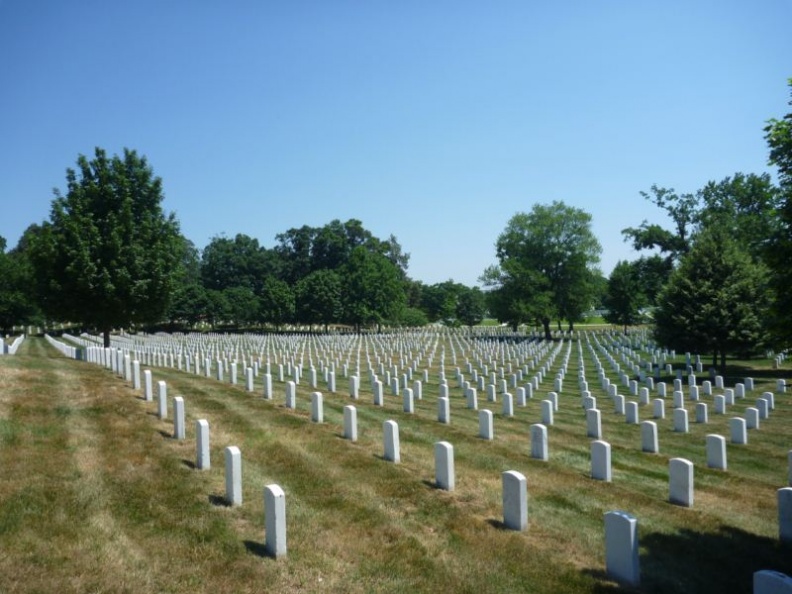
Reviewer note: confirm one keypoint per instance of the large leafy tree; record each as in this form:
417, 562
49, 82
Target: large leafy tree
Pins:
547, 266
276, 302
716, 301
624, 297
373, 289
319, 298
778, 135
109, 255
237, 262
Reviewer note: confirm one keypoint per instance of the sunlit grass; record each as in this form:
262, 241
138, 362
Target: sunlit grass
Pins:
96, 496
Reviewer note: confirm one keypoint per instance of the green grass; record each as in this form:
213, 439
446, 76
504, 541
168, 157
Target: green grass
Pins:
95, 496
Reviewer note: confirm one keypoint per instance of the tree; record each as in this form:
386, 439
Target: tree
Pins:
778, 134
374, 293
624, 298
318, 298
716, 300
471, 306
547, 266
16, 306
276, 303
108, 256
651, 272
237, 262
190, 304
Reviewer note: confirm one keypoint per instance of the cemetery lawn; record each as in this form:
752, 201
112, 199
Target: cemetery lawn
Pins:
96, 495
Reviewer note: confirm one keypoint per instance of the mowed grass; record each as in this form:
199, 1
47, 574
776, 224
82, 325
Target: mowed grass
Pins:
96, 496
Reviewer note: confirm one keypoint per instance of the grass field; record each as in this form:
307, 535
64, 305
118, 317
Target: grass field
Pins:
96, 496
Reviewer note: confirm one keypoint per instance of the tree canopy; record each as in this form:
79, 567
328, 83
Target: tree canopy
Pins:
547, 266
108, 256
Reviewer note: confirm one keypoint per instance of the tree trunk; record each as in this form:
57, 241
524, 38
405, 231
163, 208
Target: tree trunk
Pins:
723, 363
570, 326
546, 324
106, 335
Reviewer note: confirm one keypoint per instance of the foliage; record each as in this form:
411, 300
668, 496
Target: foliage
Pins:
108, 256
374, 293
547, 266
412, 317
624, 298
651, 273
276, 302
241, 306
237, 262
16, 307
190, 304
716, 300
471, 306
778, 135
318, 298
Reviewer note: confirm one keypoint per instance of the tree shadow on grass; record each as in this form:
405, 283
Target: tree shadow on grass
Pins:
695, 562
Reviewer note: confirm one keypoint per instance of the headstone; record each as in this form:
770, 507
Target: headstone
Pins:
444, 410
444, 465
486, 428
508, 405
632, 413
621, 548
680, 420
162, 404
408, 401
785, 514
379, 399
515, 500
593, 423
291, 395
679, 399
350, 423
547, 413
720, 404
553, 397
249, 379
618, 404
472, 399
763, 406
649, 437
233, 475
739, 433
643, 396
658, 405
589, 402
680, 473
701, 412
202, 444
148, 393
178, 418
274, 521
317, 407
752, 417
601, 461
354, 387
539, 442
267, 386
771, 582
391, 441
716, 451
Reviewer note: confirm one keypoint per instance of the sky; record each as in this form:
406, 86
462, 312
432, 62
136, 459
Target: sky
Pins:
435, 121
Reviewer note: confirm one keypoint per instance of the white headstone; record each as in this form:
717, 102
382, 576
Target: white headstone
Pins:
593, 423
680, 482
391, 441
539, 442
274, 521
178, 418
785, 514
317, 407
444, 465
601, 461
202, 444
649, 437
515, 500
716, 451
621, 548
350, 423
233, 475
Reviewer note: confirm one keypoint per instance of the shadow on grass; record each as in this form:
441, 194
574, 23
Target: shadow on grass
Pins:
256, 548
219, 501
716, 562
497, 524
189, 464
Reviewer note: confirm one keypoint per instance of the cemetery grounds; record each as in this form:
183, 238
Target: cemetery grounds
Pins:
97, 496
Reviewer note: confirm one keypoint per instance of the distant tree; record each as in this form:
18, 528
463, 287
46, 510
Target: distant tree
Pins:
373, 293
624, 298
778, 134
439, 301
471, 306
219, 310
190, 305
318, 298
276, 302
237, 262
108, 257
716, 301
16, 305
547, 266
243, 306
651, 273
294, 251
412, 317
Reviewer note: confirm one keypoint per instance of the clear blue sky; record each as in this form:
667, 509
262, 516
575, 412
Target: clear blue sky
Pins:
432, 120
